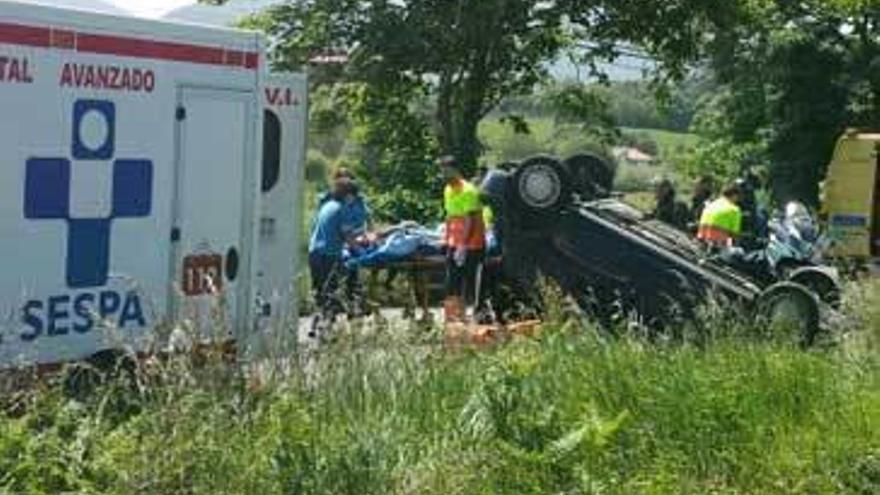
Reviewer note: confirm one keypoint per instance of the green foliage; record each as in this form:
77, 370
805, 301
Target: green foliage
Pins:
587, 108
467, 58
329, 124
628, 104
317, 167
635, 104
398, 152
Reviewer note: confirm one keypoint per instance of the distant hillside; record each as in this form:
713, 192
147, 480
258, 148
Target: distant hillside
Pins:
225, 15
89, 5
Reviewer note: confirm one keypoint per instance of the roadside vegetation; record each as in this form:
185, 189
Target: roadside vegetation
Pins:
574, 411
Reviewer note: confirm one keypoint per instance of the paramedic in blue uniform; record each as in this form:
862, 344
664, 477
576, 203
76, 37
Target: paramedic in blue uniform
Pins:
328, 239
356, 219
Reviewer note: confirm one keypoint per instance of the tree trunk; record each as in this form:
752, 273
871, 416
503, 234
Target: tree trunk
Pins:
446, 133
458, 117
467, 142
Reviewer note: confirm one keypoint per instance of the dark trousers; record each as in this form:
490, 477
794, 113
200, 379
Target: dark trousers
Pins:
326, 273
461, 280
353, 287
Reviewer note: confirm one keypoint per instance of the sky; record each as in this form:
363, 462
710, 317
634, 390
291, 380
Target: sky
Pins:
151, 8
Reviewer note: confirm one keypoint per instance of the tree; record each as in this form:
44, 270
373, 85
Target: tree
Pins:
466, 55
793, 76
428, 71
469, 55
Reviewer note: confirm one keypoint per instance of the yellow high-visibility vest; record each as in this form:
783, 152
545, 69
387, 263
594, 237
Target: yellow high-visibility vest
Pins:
721, 222
461, 200
488, 216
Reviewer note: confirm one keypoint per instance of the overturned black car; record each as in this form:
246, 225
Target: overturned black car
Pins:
558, 218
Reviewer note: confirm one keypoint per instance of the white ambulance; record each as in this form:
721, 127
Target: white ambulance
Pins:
150, 180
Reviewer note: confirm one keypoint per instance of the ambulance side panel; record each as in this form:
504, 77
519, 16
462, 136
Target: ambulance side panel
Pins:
284, 151
849, 195
91, 229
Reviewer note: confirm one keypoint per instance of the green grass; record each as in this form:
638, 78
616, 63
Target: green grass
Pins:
668, 141
545, 137
571, 412
503, 144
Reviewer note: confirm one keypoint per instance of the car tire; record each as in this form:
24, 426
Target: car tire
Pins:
592, 176
787, 306
542, 186
822, 284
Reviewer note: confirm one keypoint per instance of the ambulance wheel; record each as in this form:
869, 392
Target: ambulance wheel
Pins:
543, 186
593, 177
822, 284
790, 310
81, 379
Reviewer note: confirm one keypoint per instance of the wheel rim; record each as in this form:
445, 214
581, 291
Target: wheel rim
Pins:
787, 318
787, 311
539, 186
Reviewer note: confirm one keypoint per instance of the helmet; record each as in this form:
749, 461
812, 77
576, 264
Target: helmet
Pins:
798, 216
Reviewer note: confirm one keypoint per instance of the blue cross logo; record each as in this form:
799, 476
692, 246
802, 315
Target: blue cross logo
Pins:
47, 193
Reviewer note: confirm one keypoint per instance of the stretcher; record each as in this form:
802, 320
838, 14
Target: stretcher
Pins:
426, 276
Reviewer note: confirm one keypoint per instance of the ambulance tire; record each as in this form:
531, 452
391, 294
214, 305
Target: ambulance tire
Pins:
82, 379
791, 308
542, 186
592, 175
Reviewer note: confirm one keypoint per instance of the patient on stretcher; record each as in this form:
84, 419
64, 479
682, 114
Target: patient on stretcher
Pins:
403, 242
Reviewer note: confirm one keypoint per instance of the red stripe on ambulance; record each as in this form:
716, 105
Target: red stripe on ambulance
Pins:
130, 47
15, 34
45, 37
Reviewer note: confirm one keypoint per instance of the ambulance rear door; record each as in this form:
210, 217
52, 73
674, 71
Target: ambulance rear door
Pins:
214, 213
285, 117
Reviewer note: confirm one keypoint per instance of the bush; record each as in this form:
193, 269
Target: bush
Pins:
317, 167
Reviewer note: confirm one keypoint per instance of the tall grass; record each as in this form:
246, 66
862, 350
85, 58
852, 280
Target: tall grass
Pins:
569, 412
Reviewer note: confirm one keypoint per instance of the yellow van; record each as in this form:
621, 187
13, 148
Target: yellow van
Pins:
851, 201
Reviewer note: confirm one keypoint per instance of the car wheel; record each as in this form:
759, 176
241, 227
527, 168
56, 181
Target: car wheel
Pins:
790, 310
593, 177
821, 283
542, 185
